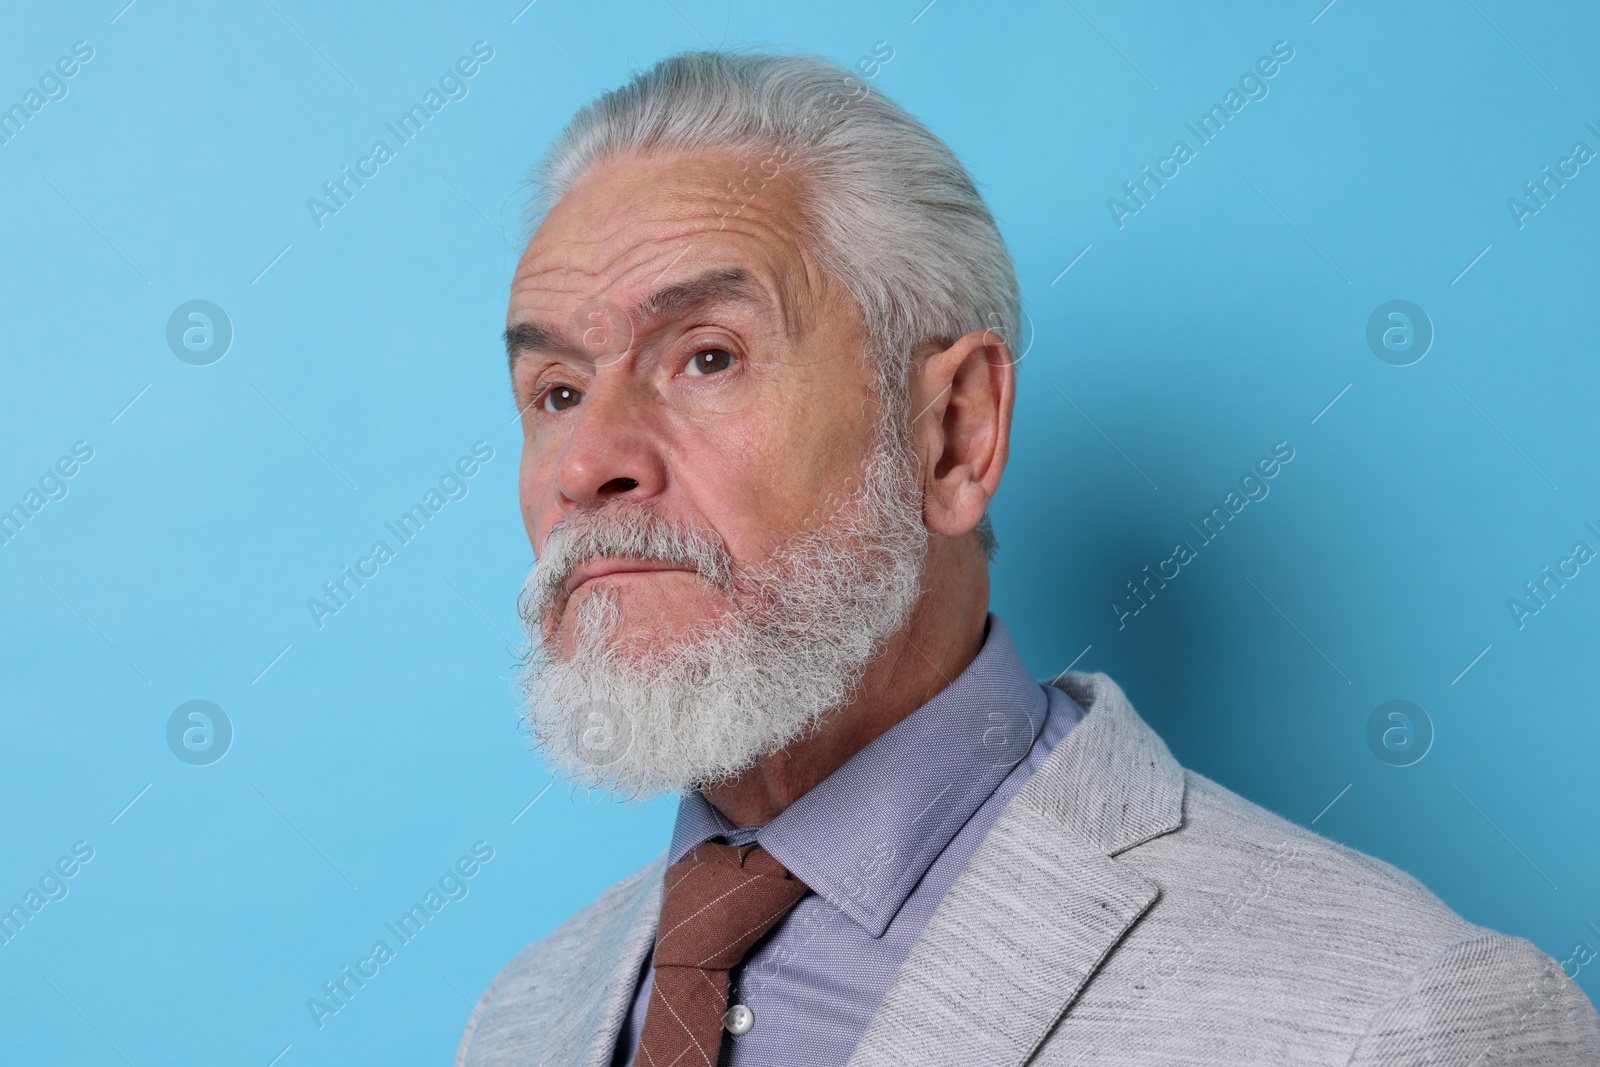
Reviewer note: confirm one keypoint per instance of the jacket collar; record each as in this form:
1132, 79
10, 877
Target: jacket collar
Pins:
1042, 904
1112, 783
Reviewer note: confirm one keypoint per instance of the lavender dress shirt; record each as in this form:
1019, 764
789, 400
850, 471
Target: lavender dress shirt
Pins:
879, 842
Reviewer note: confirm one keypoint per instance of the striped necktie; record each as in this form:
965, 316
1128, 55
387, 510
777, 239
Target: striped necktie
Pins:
719, 900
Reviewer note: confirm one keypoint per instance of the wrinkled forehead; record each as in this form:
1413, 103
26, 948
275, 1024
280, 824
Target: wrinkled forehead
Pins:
633, 225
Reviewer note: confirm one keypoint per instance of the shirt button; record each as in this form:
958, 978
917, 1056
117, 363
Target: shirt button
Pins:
738, 1020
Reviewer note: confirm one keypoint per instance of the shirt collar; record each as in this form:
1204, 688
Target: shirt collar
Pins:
865, 836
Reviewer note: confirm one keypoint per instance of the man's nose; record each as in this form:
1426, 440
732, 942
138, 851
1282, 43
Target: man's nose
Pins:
612, 453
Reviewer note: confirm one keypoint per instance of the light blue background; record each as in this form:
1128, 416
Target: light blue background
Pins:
1221, 319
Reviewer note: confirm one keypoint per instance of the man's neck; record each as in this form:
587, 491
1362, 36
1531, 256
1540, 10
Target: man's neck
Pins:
943, 636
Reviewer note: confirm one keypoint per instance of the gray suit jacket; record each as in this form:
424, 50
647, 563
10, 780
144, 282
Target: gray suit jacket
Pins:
1122, 911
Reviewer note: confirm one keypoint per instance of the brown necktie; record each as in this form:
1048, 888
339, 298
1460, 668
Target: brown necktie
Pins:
719, 900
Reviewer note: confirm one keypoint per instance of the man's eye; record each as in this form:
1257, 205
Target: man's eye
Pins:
710, 361
560, 398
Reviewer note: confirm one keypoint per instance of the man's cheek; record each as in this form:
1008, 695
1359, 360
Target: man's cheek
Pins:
536, 496
834, 502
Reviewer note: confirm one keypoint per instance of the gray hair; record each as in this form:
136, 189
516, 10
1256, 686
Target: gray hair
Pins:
889, 210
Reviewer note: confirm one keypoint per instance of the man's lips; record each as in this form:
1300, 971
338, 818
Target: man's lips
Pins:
604, 568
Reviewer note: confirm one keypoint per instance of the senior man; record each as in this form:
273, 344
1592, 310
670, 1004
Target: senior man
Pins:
760, 340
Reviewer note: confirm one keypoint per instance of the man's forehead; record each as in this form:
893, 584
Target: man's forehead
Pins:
640, 262
634, 244
702, 280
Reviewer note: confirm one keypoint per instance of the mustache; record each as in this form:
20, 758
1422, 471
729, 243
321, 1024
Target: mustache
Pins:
621, 530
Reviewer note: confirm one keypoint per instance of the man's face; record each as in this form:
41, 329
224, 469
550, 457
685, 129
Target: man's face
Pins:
674, 347
728, 528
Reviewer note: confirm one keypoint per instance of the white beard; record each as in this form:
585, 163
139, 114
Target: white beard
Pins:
805, 625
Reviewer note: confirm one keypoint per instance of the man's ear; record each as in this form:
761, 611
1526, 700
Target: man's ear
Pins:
961, 401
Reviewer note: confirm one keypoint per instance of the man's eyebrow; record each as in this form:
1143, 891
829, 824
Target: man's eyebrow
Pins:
717, 286
721, 285
532, 337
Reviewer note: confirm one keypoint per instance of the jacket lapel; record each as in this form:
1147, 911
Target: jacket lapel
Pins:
1043, 902
584, 1031
621, 975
